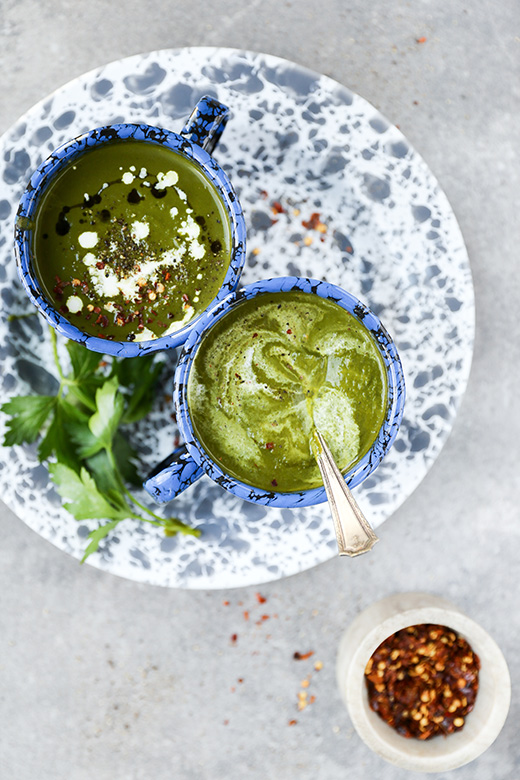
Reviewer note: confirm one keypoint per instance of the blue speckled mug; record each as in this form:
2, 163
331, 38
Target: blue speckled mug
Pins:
196, 142
190, 461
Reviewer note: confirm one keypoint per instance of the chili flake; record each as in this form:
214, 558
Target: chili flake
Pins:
302, 656
423, 681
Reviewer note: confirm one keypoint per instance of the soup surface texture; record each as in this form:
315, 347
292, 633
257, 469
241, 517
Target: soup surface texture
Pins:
270, 372
131, 241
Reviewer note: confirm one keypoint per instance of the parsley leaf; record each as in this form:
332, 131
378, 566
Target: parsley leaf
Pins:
83, 361
139, 375
81, 427
96, 536
110, 406
58, 440
28, 415
83, 499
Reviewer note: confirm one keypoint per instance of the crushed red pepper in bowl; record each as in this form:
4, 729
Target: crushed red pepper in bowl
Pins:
423, 681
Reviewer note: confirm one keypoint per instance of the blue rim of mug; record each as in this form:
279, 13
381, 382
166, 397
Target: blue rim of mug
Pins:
395, 394
67, 152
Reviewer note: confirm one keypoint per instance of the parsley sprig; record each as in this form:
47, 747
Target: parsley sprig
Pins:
81, 428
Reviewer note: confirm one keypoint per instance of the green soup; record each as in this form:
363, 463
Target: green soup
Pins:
131, 241
270, 372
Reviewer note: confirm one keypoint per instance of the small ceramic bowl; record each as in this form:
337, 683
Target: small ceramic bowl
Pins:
439, 754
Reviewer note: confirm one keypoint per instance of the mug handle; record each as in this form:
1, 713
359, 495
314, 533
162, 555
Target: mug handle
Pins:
206, 123
173, 475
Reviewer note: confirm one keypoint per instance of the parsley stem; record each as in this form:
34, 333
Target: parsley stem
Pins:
172, 522
55, 353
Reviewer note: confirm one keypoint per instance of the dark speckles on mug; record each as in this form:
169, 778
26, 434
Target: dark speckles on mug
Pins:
5, 209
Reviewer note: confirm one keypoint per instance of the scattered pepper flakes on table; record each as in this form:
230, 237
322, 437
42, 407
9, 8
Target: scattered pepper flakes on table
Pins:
423, 681
302, 656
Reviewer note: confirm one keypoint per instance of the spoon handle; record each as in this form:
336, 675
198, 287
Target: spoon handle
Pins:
353, 533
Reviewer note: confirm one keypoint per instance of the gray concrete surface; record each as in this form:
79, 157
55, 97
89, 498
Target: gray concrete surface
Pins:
105, 679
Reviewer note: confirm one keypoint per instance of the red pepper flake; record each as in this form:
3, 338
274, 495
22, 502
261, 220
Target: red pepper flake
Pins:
269, 445
302, 656
246, 615
185, 298
234, 638
100, 265
313, 222
261, 599
225, 603
289, 331
421, 40
274, 483
293, 722
278, 208
423, 681
264, 194
255, 335
241, 680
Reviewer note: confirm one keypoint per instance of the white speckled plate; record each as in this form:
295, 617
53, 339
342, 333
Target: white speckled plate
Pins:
298, 143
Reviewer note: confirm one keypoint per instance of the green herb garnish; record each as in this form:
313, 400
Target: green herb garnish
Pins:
82, 429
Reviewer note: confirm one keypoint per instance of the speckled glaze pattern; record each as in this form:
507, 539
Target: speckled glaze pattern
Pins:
166, 484
297, 143
202, 131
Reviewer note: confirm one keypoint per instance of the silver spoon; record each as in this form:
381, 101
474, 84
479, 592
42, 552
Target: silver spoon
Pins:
353, 532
